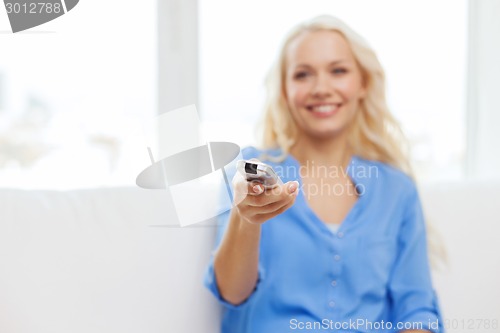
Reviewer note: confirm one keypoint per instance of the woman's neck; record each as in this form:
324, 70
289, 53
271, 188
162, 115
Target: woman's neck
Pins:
329, 152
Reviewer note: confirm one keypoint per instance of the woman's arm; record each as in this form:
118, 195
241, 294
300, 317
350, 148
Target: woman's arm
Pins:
410, 285
236, 260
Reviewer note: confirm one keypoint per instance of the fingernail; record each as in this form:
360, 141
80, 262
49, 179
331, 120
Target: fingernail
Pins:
257, 189
292, 187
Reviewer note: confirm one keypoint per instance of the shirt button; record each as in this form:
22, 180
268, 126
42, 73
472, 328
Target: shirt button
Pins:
340, 234
331, 304
336, 257
334, 283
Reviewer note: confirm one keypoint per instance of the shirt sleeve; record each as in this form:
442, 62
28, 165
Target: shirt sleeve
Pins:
209, 279
414, 301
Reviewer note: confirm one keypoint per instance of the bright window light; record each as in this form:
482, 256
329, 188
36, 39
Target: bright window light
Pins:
73, 96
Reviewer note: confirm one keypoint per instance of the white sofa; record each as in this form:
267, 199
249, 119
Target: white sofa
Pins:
111, 260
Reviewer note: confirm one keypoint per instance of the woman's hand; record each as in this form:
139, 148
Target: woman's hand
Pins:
256, 205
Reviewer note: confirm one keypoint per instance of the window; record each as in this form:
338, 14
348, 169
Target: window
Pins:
73, 96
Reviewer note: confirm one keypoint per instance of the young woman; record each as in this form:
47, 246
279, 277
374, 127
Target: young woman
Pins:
341, 246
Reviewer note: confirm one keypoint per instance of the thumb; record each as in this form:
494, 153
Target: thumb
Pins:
292, 187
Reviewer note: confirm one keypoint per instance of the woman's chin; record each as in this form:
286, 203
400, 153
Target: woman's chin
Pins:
326, 133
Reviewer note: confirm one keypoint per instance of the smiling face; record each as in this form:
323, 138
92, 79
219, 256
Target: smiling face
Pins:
323, 83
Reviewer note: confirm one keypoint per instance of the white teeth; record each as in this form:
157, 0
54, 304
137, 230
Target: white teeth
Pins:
325, 108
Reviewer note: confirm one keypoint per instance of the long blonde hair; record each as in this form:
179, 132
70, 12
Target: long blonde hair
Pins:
374, 134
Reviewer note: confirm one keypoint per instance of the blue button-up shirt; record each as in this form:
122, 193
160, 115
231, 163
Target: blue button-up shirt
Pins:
371, 275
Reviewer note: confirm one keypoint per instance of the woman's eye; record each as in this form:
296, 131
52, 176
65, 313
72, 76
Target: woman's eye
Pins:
300, 75
339, 71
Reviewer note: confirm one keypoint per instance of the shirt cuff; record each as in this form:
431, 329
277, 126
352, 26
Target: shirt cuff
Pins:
430, 319
211, 283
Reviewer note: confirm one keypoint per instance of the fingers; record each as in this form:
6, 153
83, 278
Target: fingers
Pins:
261, 218
271, 195
254, 188
276, 206
293, 187
257, 203
262, 214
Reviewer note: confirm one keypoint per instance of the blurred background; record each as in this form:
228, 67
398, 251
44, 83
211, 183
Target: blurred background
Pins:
74, 96
78, 96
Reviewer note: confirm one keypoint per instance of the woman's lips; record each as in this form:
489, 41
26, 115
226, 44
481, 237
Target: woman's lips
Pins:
324, 110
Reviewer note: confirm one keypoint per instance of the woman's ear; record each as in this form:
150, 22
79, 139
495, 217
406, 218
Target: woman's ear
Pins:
284, 95
364, 92
364, 86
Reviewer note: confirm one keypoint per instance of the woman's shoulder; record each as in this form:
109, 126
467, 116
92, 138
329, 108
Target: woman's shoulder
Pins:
249, 152
386, 176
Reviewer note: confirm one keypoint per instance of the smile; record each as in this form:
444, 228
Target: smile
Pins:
324, 110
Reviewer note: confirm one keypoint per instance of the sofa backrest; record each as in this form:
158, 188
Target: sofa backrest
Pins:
104, 260
466, 218
113, 260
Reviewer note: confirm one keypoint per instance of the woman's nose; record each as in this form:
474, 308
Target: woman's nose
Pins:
322, 86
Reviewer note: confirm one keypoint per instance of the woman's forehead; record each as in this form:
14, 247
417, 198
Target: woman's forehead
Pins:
318, 47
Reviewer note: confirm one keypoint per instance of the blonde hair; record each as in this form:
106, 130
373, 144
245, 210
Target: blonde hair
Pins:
374, 133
